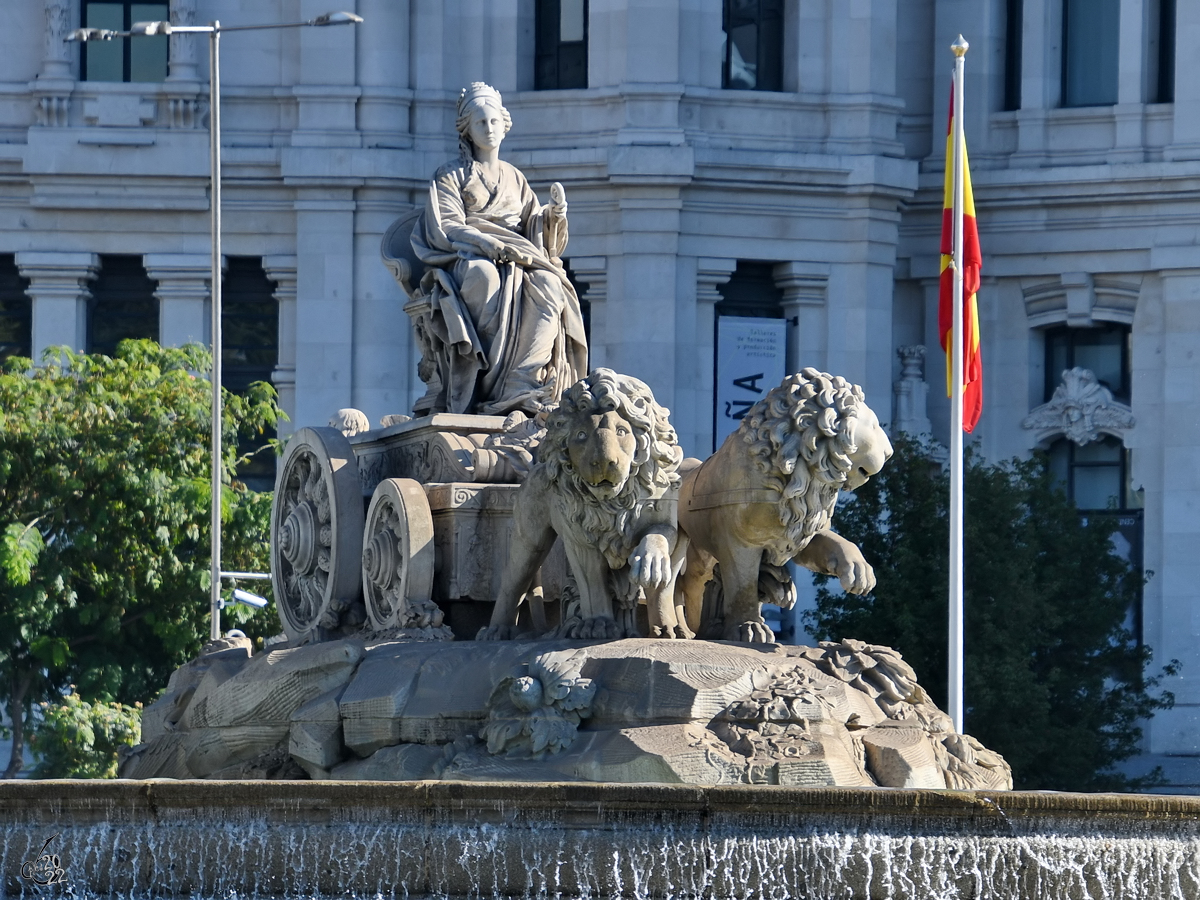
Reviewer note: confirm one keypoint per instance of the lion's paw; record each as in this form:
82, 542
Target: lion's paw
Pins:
598, 628
750, 633
496, 633
672, 632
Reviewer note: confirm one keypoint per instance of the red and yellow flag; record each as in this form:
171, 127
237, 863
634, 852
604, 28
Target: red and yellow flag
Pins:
972, 263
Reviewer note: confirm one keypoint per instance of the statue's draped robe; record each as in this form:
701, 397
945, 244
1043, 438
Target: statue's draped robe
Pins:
521, 346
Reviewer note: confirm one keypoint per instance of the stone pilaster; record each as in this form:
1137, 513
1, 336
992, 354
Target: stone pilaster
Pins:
1186, 134
711, 273
183, 294
282, 271
324, 303
593, 271
804, 286
1130, 112
58, 287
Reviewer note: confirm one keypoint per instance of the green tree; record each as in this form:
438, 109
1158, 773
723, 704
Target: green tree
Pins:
104, 521
77, 739
1053, 679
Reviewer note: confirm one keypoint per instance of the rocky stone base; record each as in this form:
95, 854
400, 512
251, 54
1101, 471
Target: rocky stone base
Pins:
634, 711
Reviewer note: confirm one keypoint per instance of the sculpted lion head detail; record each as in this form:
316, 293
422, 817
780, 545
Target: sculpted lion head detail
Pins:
610, 451
810, 437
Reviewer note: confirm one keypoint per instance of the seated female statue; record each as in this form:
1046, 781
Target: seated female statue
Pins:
506, 318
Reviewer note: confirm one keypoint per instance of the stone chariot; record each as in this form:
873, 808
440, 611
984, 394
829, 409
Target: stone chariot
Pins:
405, 526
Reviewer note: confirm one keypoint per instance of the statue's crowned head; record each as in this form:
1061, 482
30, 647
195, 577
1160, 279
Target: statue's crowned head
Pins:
476, 97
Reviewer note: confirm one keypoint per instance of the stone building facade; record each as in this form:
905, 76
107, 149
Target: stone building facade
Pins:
793, 171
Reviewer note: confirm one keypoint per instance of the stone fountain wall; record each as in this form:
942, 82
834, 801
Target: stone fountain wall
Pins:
441, 839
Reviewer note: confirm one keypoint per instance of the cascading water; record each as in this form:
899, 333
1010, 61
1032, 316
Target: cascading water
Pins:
287, 839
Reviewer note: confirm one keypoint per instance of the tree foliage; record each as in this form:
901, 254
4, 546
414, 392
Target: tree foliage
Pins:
1054, 680
77, 739
104, 517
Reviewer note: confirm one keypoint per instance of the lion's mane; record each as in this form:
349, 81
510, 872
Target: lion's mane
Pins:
611, 525
798, 436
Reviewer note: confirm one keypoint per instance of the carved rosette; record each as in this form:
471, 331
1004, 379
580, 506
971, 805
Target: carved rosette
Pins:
1082, 409
398, 557
316, 533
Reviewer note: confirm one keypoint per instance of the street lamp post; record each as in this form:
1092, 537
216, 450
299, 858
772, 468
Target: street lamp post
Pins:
214, 32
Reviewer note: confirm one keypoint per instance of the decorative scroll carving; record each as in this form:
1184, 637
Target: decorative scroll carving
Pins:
1081, 409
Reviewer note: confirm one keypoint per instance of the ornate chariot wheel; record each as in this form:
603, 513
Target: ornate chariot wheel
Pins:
316, 533
398, 557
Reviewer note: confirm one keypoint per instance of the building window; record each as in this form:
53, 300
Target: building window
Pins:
753, 45
1094, 475
562, 44
250, 352
124, 59
1104, 350
1165, 92
1091, 44
16, 310
751, 291
123, 305
1013, 28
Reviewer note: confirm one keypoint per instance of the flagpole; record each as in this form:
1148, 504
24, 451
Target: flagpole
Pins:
955, 700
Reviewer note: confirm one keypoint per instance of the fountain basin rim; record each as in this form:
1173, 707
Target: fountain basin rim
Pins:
95, 800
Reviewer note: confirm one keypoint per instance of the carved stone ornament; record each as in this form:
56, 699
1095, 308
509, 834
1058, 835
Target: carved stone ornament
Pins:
1082, 409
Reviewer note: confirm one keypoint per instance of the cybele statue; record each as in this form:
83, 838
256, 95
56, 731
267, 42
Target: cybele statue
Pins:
552, 513
503, 326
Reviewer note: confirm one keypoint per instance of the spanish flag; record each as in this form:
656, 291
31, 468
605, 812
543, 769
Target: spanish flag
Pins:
972, 263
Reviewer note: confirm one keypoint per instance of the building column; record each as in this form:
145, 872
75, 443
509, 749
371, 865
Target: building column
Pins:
711, 273
804, 286
183, 294
58, 287
282, 271
1186, 140
593, 271
324, 303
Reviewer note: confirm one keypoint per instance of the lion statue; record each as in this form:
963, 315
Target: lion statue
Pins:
606, 483
767, 497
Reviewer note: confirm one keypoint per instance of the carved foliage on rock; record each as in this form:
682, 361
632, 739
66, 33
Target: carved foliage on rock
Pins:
1081, 409
538, 713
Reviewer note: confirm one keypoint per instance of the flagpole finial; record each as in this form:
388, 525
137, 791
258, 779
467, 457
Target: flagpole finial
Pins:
960, 47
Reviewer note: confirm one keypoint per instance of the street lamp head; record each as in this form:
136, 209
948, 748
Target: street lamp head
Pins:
336, 18
90, 34
150, 28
